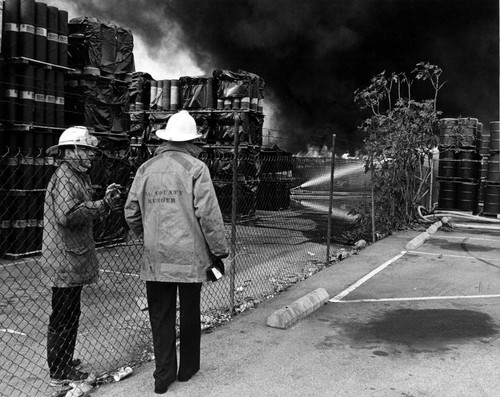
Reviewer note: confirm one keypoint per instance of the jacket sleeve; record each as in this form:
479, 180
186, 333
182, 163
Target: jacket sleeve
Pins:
208, 212
69, 210
132, 210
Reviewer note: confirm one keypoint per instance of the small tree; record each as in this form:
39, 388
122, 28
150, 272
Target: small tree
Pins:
400, 134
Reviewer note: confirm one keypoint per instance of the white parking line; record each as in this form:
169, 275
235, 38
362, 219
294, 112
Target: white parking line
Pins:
11, 331
463, 238
120, 273
362, 280
420, 298
448, 255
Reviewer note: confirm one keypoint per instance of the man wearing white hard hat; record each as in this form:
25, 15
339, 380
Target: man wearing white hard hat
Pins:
68, 249
172, 205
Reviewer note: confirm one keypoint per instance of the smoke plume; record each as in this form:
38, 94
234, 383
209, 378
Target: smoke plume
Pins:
314, 54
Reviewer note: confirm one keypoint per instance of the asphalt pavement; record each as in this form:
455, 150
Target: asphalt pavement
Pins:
415, 314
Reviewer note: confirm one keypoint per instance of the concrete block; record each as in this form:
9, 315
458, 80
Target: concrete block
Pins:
298, 309
417, 241
421, 238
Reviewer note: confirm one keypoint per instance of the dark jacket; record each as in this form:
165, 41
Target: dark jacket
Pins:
68, 249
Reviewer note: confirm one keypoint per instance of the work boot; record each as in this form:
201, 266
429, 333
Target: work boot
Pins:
72, 375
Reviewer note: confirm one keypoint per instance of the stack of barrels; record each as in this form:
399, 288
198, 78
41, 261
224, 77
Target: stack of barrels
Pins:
164, 95
35, 57
490, 171
459, 164
34, 60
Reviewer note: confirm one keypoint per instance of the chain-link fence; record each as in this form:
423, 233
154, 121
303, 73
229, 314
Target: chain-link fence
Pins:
276, 226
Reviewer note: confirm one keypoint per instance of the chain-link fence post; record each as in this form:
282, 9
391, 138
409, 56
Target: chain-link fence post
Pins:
330, 202
234, 207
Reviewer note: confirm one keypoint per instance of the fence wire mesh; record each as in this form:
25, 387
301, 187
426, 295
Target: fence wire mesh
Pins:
277, 230
275, 240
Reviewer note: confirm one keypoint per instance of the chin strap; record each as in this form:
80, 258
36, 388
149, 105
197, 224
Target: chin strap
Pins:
80, 160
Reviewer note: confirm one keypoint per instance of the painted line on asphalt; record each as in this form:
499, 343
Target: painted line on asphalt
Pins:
447, 255
11, 331
422, 298
464, 238
364, 279
9, 265
120, 273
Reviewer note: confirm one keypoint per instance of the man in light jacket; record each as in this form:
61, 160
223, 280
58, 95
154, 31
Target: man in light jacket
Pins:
172, 205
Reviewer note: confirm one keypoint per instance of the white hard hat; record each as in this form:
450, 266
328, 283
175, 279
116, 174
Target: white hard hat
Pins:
72, 136
180, 127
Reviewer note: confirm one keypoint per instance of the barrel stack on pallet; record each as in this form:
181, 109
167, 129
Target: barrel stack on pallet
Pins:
97, 92
491, 168
217, 102
34, 60
459, 164
97, 96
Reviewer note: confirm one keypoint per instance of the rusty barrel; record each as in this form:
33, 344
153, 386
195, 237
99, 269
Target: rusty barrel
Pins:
467, 132
447, 132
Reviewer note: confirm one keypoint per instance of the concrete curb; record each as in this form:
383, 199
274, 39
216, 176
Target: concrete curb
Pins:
290, 314
421, 238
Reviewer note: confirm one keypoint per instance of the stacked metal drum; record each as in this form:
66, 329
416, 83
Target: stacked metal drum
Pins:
33, 63
221, 103
490, 171
459, 164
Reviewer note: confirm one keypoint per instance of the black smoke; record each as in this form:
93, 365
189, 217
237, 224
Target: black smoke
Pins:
313, 54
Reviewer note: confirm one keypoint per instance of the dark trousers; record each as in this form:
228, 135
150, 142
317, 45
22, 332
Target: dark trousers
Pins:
162, 299
63, 328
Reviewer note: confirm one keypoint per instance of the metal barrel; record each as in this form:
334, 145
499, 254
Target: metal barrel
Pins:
447, 195
59, 99
495, 136
41, 31
468, 164
50, 97
10, 36
447, 132
27, 93
494, 167
62, 37
52, 35
27, 29
467, 196
492, 200
446, 166
39, 104
174, 94
165, 101
467, 132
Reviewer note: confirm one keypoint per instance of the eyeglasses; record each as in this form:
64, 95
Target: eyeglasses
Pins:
87, 140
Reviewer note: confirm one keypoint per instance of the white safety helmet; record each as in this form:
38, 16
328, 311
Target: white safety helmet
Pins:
72, 136
180, 127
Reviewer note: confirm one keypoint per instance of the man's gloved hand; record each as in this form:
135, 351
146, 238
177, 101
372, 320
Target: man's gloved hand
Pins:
113, 196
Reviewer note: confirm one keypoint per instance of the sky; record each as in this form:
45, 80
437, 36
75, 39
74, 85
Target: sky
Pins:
314, 54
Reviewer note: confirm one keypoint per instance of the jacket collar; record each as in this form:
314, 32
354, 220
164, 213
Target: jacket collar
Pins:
73, 164
186, 147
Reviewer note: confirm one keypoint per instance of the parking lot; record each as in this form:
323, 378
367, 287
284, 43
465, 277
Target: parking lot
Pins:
423, 322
